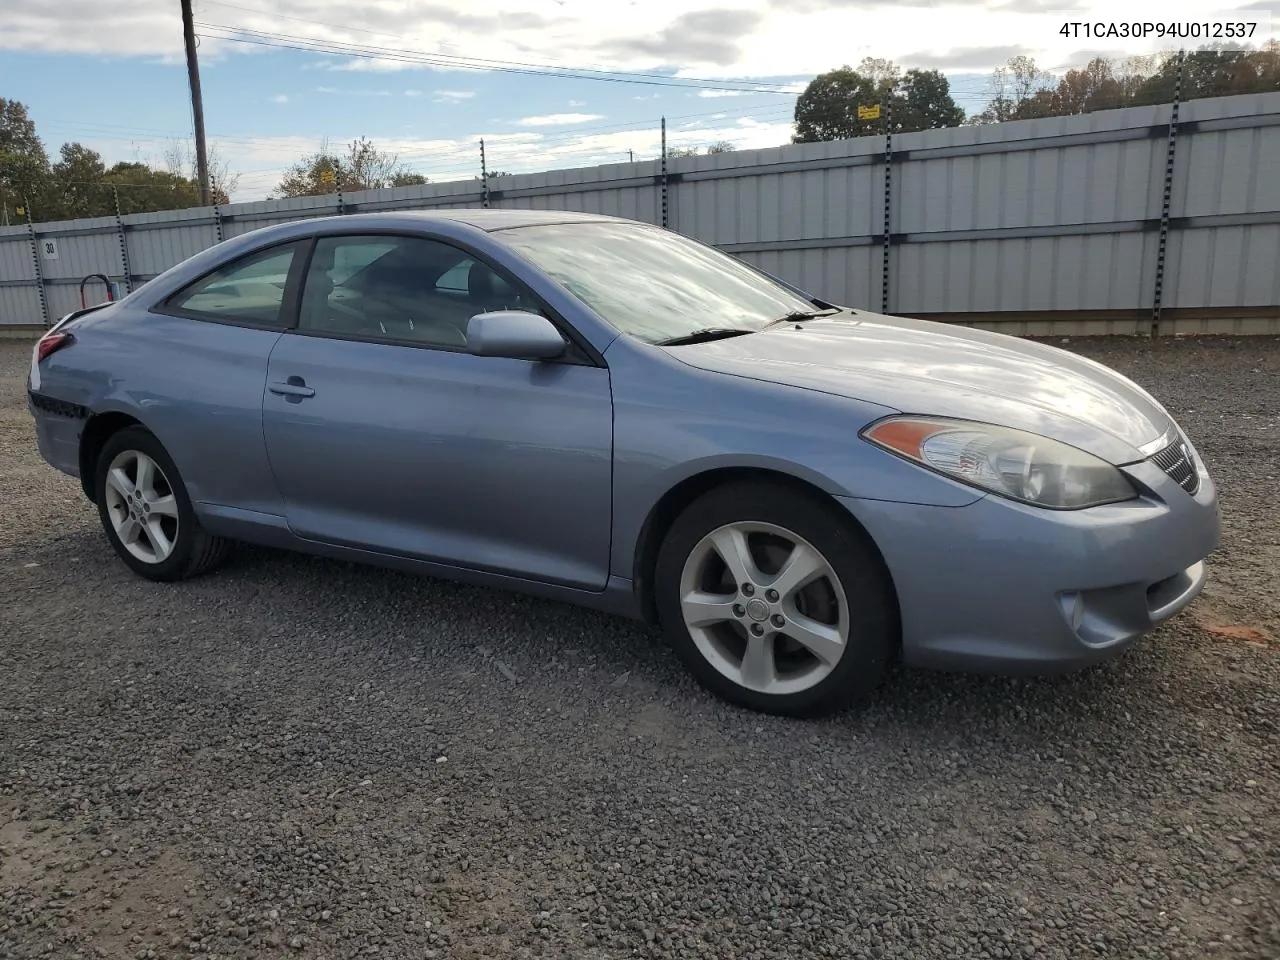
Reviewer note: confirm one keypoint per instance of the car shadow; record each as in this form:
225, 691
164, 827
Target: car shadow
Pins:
917, 702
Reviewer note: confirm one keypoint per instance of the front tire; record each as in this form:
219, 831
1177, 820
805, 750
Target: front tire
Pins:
776, 601
146, 513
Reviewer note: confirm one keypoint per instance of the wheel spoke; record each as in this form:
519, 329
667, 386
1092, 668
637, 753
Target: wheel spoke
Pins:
820, 639
731, 544
145, 478
703, 609
800, 568
119, 481
758, 670
162, 545
129, 531
166, 506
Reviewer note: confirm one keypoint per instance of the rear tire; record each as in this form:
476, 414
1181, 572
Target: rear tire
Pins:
776, 601
146, 512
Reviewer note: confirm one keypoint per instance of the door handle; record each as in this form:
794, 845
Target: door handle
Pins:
295, 388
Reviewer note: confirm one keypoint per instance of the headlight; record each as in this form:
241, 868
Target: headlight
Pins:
1011, 463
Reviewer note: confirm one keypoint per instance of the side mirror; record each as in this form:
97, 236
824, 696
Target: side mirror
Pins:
514, 334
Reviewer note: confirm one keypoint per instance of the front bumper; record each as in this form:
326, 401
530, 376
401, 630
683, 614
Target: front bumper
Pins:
997, 586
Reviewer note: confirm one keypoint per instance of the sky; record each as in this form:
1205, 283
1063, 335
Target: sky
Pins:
547, 84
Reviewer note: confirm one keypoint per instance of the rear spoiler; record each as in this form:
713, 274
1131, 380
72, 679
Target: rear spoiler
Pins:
77, 314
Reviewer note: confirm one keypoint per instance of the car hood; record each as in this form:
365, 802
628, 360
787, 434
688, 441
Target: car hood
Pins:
919, 366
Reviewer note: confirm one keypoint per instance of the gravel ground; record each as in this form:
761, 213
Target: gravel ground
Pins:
297, 757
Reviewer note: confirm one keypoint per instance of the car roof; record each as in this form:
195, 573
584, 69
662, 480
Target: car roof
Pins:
478, 217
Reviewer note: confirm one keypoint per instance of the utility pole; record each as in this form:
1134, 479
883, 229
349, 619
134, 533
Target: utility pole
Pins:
631, 155
197, 102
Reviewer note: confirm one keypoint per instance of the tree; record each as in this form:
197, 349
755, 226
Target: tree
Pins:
144, 189
924, 103
363, 167
1214, 72
78, 184
1094, 87
1020, 90
720, 146
406, 179
180, 160
828, 107
675, 152
24, 165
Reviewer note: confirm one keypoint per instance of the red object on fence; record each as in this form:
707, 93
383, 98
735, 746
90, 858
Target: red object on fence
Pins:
95, 276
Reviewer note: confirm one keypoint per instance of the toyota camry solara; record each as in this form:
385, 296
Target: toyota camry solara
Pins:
606, 413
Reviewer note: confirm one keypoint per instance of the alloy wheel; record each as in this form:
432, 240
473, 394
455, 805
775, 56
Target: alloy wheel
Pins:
141, 506
764, 607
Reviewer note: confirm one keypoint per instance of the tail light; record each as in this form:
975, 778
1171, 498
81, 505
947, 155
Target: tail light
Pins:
51, 343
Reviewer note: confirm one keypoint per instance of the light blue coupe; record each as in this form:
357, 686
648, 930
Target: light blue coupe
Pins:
603, 412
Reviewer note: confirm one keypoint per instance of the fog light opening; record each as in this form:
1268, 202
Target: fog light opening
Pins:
1073, 609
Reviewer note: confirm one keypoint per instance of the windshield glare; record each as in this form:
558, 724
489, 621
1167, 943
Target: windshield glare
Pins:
650, 283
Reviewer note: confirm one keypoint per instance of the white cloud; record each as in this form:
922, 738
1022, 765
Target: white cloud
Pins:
452, 96
413, 93
558, 119
705, 38
577, 103
280, 98
721, 93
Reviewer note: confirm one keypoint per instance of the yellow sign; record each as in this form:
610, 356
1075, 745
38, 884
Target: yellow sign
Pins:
20, 211
326, 176
869, 113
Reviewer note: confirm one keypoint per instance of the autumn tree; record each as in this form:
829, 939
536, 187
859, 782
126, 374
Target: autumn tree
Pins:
1021, 91
362, 167
1214, 72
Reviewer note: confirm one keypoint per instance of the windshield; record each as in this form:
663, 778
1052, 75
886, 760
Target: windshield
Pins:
651, 283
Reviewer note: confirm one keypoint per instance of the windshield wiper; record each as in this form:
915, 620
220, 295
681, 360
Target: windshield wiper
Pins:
705, 335
796, 316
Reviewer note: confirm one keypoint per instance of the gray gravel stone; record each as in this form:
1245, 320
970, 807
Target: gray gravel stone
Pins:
261, 750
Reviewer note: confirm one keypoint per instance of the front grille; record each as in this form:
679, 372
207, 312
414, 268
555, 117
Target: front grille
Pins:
1179, 465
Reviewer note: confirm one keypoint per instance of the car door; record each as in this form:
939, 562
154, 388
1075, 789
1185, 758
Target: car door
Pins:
202, 366
384, 433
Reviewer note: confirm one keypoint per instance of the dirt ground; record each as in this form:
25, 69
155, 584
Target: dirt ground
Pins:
298, 757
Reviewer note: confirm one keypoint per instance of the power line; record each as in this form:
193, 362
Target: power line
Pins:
370, 52
539, 66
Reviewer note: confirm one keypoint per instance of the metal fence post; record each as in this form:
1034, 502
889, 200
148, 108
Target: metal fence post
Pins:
484, 178
35, 261
888, 207
124, 244
1167, 197
217, 223
665, 206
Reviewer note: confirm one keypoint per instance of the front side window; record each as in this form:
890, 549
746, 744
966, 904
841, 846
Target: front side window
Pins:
401, 288
652, 284
248, 290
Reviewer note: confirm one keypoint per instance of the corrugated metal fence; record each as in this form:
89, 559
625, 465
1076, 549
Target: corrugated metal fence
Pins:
1112, 222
